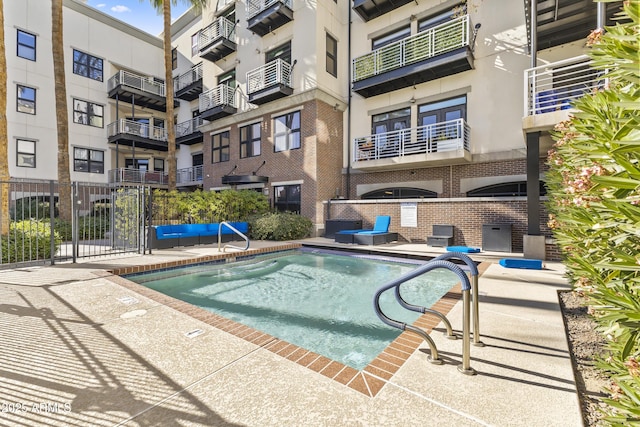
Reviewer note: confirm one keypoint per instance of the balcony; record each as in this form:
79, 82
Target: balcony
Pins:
187, 133
188, 86
189, 176
136, 134
437, 52
269, 82
137, 176
264, 16
564, 21
551, 88
217, 103
143, 91
438, 144
216, 40
370, 9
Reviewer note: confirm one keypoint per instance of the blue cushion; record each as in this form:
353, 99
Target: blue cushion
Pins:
382, 223
351, 231
369, 232
532, 264
463, 249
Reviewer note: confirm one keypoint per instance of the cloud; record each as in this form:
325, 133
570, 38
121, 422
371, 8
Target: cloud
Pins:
120, 9
100, 6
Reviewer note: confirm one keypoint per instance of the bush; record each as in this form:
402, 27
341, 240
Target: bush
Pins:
32, 208
280, 226
28, 241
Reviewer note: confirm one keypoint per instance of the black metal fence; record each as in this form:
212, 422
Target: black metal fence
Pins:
104, 220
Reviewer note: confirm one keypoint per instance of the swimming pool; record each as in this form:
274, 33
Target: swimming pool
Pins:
317, 300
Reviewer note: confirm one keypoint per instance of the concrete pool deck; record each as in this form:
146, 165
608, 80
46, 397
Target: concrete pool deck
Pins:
80, 349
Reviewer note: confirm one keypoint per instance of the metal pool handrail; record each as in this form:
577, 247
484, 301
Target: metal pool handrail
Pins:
235, 230
473, 269
466, 287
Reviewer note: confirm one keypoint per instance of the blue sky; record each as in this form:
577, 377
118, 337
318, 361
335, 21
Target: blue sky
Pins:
138, 13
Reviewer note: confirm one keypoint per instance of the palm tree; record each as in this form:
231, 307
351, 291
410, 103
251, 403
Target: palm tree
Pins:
4, 140
62, 116
165, 7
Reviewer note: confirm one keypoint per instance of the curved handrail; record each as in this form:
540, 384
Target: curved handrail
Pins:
474, 290
235, 230
408, 276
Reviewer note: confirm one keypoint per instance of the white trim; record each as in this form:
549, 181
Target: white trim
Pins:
275, 184
250, 122
435, 185
290, 110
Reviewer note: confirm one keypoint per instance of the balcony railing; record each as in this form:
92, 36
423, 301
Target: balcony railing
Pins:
189, 176
254, 7
440, 137
220, 28
188, 127
271, 74
218, 96
422, 46
131, 127
554, 86
137, 176
144, 83
187, 79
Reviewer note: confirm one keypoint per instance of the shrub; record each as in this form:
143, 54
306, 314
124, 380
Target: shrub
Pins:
32, 208
594, 200
280, 226
28, 241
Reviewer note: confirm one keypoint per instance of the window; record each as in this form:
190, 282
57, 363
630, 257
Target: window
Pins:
26, 100
400, 193
174, 58
158, 165
431, 119
88, 113
332, 56
389, 38
87, 65
26, 153
286, 198
194, 45
391, 132
228, 79
283, 52
505, 189
287, 132
220, 147
86, 160
442, 17
250, 140
26, 45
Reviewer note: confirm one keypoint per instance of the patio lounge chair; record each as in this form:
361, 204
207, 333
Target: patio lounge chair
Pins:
381, 226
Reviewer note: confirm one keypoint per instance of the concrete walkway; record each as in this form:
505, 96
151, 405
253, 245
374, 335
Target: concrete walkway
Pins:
79, 349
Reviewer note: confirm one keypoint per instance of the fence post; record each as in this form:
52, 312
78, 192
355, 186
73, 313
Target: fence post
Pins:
52, 223
149, 217
74, 222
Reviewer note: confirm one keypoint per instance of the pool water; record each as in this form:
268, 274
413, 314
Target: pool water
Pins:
320, 301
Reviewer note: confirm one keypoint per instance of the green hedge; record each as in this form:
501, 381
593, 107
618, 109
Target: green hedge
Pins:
280, 226
28, 241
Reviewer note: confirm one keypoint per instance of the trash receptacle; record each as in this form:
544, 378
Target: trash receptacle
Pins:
496, 237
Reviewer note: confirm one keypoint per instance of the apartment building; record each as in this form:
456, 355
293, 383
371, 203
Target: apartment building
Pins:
368, 104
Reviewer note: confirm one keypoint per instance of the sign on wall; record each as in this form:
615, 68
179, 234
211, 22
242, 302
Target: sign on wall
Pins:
408, 214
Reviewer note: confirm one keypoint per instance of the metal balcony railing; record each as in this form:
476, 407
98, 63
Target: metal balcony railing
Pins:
440, 137
131, 127
254, 7
553, 86
188, 127
137, 176
220, 28
189, 176
424, 45
188, 78
144, 83
218, 96
271, 74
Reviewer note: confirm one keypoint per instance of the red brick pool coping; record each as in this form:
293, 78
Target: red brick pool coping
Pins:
369, 381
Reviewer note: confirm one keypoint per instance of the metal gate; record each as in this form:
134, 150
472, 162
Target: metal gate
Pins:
104, 220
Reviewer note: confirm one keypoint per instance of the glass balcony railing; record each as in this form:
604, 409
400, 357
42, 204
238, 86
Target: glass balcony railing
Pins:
452, 135
552, 87
427, 44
